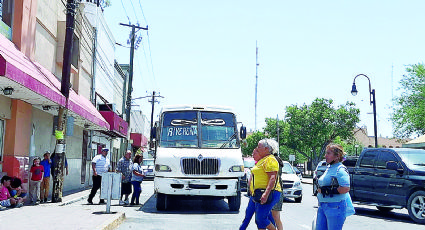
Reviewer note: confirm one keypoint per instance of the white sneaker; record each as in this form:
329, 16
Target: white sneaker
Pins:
122, 202
126, 202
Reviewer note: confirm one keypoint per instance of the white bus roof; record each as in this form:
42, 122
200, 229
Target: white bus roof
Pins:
214, 108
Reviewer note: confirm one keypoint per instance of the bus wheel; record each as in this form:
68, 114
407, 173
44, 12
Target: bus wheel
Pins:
234, 202
161, 201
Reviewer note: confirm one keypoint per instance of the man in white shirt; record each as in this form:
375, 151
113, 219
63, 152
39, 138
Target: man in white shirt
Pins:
100, 165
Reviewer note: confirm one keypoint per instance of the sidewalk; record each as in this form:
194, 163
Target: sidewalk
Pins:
72, 213
75, 213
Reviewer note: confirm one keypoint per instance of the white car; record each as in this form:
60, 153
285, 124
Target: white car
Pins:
148, 167
291, 183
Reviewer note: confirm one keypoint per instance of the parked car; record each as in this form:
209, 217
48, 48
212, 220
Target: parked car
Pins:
320, 169
298, 172
291, 183
248, 163
148, 167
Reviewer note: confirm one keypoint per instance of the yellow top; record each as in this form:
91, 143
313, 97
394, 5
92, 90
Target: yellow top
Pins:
260, 170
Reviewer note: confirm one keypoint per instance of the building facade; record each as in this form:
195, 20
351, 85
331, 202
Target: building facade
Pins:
32, 34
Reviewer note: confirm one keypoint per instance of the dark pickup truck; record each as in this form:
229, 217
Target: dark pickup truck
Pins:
388, 179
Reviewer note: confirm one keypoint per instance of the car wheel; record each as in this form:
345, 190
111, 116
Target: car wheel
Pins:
298, 199
161, 201
416, 207
234, 202
384, 209
315, 187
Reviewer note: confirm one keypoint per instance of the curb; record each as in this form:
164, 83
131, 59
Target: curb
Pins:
118, 218
73, 200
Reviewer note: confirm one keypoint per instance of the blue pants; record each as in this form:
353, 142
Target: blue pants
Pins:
331, 216
263, 211
137, 189
250, 210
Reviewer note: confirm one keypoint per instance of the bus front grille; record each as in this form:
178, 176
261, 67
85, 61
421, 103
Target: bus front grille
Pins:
205, 166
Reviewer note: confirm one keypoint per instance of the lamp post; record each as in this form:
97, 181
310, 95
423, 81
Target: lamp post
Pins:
356, 148
372, 102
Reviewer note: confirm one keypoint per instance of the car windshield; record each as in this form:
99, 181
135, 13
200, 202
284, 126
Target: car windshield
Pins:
147, 163
414, 158
248, 163
287, 169
180, 129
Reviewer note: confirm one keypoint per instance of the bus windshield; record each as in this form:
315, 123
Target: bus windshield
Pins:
180, 129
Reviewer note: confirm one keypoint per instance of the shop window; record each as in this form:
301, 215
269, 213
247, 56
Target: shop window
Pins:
75, 54
6, 17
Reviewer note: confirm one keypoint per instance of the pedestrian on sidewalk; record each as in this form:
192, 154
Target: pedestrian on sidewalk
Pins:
125, 168
136, 179
16, 190
36, 175
335, 203
6, 200
45, 184
100, 165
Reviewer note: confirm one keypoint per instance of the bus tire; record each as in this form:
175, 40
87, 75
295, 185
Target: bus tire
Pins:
234, 202
161, 201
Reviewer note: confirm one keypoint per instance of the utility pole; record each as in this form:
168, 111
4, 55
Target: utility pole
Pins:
130, 75
277, 127
256, 82
60, 147
152, 100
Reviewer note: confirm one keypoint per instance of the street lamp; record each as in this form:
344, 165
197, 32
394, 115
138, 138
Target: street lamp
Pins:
356, 148
372, 102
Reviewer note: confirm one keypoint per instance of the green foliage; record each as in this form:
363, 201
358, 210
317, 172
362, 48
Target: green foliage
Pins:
308, 129
251, 142
408, 115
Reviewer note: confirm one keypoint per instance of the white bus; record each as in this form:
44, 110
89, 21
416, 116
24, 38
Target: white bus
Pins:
198, 155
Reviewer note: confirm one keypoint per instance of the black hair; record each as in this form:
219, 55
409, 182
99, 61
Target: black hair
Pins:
5, 178
16, 182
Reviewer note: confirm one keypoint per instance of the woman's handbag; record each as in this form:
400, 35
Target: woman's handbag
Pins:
258, 193
257, 196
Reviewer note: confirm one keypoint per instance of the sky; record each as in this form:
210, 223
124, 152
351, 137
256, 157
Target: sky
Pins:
204, 52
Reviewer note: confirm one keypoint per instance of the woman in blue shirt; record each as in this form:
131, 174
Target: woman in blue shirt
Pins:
334, 200
136, 179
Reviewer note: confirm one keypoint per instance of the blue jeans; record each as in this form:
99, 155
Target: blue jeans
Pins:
250, 210
264, 211
331, 216
137, 189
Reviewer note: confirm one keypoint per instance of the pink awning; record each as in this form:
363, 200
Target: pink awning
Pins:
36, 85
118, 126
139, 140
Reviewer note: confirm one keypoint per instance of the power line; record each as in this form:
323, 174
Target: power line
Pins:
143, 13
129, 22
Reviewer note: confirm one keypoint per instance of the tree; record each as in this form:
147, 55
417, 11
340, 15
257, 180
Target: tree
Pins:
408, 114
308, 129
251, 142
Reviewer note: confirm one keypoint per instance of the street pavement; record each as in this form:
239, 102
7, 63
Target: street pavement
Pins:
74, 213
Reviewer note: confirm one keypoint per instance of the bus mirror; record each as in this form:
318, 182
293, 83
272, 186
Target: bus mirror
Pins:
243, 132
153, 133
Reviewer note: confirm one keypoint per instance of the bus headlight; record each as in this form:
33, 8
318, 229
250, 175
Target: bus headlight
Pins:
162, 168
236, 168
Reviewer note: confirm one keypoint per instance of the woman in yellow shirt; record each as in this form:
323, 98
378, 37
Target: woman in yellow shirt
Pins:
265, 177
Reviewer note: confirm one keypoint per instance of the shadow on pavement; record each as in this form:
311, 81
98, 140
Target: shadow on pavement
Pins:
187, 206
389, 216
